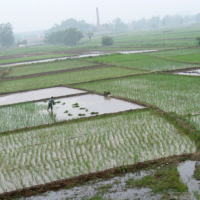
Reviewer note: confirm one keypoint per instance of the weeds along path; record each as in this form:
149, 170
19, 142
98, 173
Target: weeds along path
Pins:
44, 155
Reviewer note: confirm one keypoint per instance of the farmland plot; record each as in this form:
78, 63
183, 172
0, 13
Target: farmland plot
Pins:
171, 93
47, 67
142, 61
64, 78
49, 154
34, 114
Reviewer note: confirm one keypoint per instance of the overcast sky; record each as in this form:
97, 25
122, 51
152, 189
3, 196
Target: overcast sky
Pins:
29, 15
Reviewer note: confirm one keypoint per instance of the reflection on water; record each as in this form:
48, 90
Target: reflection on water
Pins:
72, 57
33, 95
87, 104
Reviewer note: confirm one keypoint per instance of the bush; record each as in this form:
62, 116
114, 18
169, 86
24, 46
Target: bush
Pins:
106, 40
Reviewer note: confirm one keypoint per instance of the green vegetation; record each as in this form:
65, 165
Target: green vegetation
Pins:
107, 41
32, 58
23, 115
47, 67
172, 93
195, 120
68, 36
64, 78
84, 146
142, 61
164, 180
177, 52
118, 57
189, 58
197, 172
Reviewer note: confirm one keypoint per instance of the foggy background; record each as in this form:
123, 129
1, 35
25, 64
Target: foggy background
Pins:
34, 15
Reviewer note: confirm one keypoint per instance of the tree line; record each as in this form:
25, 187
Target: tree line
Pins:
68, 36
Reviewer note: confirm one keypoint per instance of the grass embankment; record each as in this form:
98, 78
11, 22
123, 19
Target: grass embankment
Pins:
47, 67
39, 156
171, 93
164, 180
32, 58
142, 61
64, 78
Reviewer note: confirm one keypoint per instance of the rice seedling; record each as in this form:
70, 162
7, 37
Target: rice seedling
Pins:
64, 78
80, 114
86, 146
66, 111
172, 93
47, 67
23, 115
94, 113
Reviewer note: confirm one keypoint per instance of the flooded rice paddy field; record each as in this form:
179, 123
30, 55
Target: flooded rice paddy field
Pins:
45, 155
116, 188
195, 120
88, 105
171, 93
87, 54
191, 73
34, 114
33, 95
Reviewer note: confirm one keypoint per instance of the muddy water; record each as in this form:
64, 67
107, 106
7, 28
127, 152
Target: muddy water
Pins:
186, 171
36, 95
117, 188
191, 73
87, 54
92, 103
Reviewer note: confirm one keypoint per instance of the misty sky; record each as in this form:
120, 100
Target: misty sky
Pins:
29, 15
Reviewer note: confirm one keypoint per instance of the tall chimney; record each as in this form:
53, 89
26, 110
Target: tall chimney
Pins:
98, 22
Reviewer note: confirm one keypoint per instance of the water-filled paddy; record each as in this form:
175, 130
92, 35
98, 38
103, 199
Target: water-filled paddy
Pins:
34, 95
87, 54
115, 188
191, 73
87, 104
43, 155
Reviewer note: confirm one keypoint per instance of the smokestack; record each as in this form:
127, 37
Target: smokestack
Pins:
98, 22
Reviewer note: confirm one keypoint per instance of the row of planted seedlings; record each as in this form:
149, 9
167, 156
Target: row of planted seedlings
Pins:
52, 153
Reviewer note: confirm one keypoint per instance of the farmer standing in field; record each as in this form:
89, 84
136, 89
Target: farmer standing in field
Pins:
50, 104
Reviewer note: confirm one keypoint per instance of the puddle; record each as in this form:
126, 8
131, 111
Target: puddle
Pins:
92, 103
37, 95
117, 190
186, 171
191, 73
72, 57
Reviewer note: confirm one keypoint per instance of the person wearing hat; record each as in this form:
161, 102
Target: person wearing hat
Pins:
50, 104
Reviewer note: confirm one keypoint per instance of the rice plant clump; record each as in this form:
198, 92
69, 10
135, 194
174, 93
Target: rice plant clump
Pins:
49, 154
23, 115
